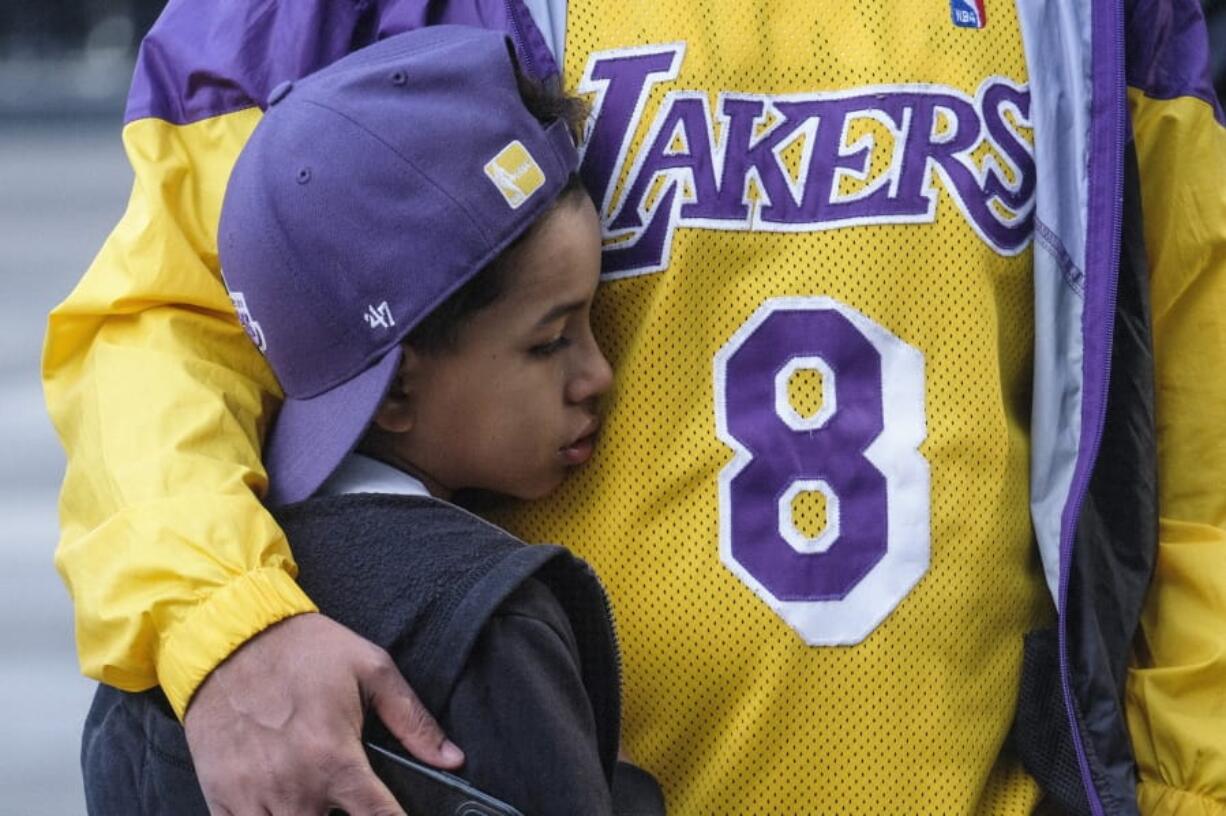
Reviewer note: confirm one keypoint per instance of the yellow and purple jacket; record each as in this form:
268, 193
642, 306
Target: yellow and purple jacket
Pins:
161, 400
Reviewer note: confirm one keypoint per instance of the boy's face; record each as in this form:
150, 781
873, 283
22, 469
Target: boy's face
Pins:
513, 406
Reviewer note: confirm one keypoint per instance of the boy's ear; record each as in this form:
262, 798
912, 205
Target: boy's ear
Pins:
395, 412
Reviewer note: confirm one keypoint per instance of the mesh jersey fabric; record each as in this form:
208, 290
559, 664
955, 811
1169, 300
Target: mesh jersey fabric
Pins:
724, 701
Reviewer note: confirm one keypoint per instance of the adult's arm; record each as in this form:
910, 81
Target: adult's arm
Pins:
1176, 700
160, 401
158, 397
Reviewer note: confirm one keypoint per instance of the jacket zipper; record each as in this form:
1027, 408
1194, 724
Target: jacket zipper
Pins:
1101, 383
611, 623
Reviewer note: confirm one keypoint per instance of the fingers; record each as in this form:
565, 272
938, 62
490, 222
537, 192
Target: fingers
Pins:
347, 783
270, 731
406, 717
357, 791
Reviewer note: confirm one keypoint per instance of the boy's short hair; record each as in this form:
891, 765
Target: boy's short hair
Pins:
370, 192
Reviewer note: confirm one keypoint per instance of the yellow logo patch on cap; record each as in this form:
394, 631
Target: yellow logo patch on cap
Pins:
515, 173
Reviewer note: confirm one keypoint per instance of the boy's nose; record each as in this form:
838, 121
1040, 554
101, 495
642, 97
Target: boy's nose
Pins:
593, 379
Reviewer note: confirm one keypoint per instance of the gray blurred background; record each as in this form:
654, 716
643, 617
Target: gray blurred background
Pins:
64, 71
64, 181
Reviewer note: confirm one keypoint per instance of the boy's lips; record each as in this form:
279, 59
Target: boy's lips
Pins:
579, 451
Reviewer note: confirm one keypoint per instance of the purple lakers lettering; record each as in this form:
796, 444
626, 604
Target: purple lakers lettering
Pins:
696, 166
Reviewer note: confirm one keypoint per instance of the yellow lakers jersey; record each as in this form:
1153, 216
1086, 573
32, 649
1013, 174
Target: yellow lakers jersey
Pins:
810, 502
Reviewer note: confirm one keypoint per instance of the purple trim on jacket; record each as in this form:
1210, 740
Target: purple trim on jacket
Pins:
200, 61
510, 16
1108, 126
1168, 51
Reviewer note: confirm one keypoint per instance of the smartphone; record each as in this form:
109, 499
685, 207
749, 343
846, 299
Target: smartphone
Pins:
425, 791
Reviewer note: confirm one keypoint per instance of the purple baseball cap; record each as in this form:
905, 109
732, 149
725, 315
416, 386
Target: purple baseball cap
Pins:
368, 193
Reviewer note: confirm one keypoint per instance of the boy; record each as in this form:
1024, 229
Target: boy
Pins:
410, 248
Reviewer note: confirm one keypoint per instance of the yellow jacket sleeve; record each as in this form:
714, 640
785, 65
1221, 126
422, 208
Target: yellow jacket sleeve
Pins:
158, 396
160, 401
1176, 688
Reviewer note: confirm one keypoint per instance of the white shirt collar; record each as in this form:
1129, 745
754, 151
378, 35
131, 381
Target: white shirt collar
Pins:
362, 474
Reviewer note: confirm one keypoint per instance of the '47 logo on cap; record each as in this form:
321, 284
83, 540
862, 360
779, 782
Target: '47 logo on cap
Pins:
968, 13
515, 173
379, 317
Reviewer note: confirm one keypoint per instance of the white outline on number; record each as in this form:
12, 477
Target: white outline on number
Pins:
783, 403
798, 541
895, 454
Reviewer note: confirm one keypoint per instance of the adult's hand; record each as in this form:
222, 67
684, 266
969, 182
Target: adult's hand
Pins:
276, 728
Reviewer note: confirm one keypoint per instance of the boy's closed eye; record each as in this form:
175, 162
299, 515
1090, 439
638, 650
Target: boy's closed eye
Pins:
554, 325
550, 346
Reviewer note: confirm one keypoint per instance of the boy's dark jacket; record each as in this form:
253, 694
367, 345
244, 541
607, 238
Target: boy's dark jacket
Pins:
511, 646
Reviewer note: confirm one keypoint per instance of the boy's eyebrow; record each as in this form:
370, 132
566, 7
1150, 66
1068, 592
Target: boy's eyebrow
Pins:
561, 310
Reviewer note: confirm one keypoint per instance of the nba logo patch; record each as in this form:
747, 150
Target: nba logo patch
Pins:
968, 13
515, 173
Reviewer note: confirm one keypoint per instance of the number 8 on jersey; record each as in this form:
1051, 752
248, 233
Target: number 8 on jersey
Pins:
859, 450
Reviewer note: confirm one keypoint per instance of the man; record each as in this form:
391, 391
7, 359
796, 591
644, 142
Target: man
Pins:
879, 303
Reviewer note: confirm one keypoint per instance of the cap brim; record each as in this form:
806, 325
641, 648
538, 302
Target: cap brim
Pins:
311, 437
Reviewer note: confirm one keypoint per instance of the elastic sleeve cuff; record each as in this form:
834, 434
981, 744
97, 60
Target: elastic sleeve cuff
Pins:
1156, 799
225, 620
